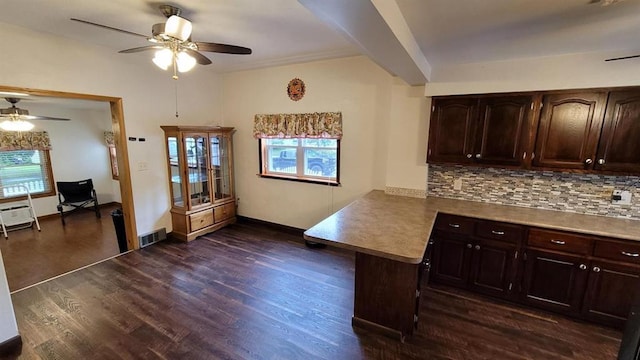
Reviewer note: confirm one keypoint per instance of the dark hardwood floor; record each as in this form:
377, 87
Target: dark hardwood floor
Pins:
251, 292
31, 256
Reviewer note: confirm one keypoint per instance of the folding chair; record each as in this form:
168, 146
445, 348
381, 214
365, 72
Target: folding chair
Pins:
77, 194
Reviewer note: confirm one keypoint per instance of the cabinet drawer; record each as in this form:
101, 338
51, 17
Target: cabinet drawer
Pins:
620, 251
499, 231
224, 212
201, 220
455, 224
555, 240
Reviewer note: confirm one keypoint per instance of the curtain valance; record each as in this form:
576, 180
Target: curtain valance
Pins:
24, 140
108, 138
313, 125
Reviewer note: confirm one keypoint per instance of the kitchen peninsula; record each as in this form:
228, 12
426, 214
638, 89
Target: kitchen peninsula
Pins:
389, 235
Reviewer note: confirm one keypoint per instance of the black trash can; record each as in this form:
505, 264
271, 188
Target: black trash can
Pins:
118, 222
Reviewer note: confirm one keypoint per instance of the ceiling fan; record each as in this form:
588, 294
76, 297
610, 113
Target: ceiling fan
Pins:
173, 44
16, 117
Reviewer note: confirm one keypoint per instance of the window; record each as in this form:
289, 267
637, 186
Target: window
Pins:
304, 147
31, 168
314, 160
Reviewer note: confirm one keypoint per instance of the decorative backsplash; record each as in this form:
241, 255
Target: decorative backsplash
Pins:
416, 193
578, 193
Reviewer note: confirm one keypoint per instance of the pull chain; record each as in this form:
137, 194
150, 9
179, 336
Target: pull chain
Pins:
176, 88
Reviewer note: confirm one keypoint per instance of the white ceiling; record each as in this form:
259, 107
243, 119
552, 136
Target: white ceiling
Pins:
285, 31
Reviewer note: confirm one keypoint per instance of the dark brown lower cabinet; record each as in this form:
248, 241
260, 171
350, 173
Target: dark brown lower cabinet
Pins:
492, 268
610, 292
450, 259
484, 266
554, 281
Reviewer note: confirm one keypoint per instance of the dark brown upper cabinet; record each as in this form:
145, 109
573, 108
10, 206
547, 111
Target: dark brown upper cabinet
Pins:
502, 129
451, 133
619, 148
488, 130
569, 130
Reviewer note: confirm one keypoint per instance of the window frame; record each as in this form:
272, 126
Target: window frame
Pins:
262, 171
52, 187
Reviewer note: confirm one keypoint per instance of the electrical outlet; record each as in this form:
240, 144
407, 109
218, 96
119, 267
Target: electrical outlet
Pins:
457, 184
621, 197
143, 165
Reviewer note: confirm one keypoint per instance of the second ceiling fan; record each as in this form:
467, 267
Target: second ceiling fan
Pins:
173, 44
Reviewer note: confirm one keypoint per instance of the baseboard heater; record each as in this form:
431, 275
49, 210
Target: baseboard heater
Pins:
152, 237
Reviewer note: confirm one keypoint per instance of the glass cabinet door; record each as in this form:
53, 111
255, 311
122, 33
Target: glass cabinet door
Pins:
177, 197
221, 166
195, 148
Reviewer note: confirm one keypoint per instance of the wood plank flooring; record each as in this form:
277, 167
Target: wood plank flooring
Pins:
251, 292
31, 256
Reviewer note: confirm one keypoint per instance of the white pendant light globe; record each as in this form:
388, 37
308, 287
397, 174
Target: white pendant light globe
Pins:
185, 61
163, 58
16, 125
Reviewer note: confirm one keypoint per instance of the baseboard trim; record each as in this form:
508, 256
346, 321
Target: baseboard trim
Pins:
284, 228
11, 347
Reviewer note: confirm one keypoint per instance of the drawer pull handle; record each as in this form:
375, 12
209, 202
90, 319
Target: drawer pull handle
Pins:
454, 225
469, 246
477, 247
583, 267
629, 254
497, 232
557, 242
596, 269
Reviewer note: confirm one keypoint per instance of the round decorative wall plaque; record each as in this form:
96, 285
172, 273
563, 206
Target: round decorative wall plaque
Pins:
296, 89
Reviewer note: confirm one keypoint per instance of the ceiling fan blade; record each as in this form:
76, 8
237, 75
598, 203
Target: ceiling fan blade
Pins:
37, 117
623, 58
222, 48
141, 48
32, 117
200, 59
109, 27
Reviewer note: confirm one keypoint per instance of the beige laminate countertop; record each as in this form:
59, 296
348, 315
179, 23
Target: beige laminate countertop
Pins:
398, 228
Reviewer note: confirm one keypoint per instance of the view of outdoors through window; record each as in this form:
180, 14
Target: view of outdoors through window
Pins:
313, 159
23, 167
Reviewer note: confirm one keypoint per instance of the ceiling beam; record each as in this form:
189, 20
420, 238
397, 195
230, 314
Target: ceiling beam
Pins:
378, 28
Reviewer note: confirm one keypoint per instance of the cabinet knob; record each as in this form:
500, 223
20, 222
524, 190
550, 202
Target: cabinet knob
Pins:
478, 156
601, 161
477, 247
469, 156
583, 267
469, 246
596, 269
588, 161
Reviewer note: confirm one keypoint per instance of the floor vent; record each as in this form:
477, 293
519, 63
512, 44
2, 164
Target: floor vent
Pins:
153, 237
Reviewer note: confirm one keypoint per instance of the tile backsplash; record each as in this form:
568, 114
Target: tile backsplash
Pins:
579, 193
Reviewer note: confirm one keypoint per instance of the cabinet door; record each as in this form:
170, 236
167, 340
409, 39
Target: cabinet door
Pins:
451, 260
502, 130
619, 149
610, 292
221, 167
197, 170
569, 130
175, 171
492, 268
554, 281
451, 130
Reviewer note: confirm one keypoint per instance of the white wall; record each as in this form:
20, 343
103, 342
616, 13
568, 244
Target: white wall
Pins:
41, 61
8, 326
366, 96
78, 150
574, 71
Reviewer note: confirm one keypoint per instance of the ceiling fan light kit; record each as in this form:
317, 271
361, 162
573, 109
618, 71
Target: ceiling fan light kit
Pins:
16, 117
16, 125
172, 40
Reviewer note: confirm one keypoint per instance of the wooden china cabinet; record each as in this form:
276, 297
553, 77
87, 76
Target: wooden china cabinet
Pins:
200, 164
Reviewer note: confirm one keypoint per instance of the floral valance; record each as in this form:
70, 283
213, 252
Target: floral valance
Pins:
108, 138
314, 125
24, 140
